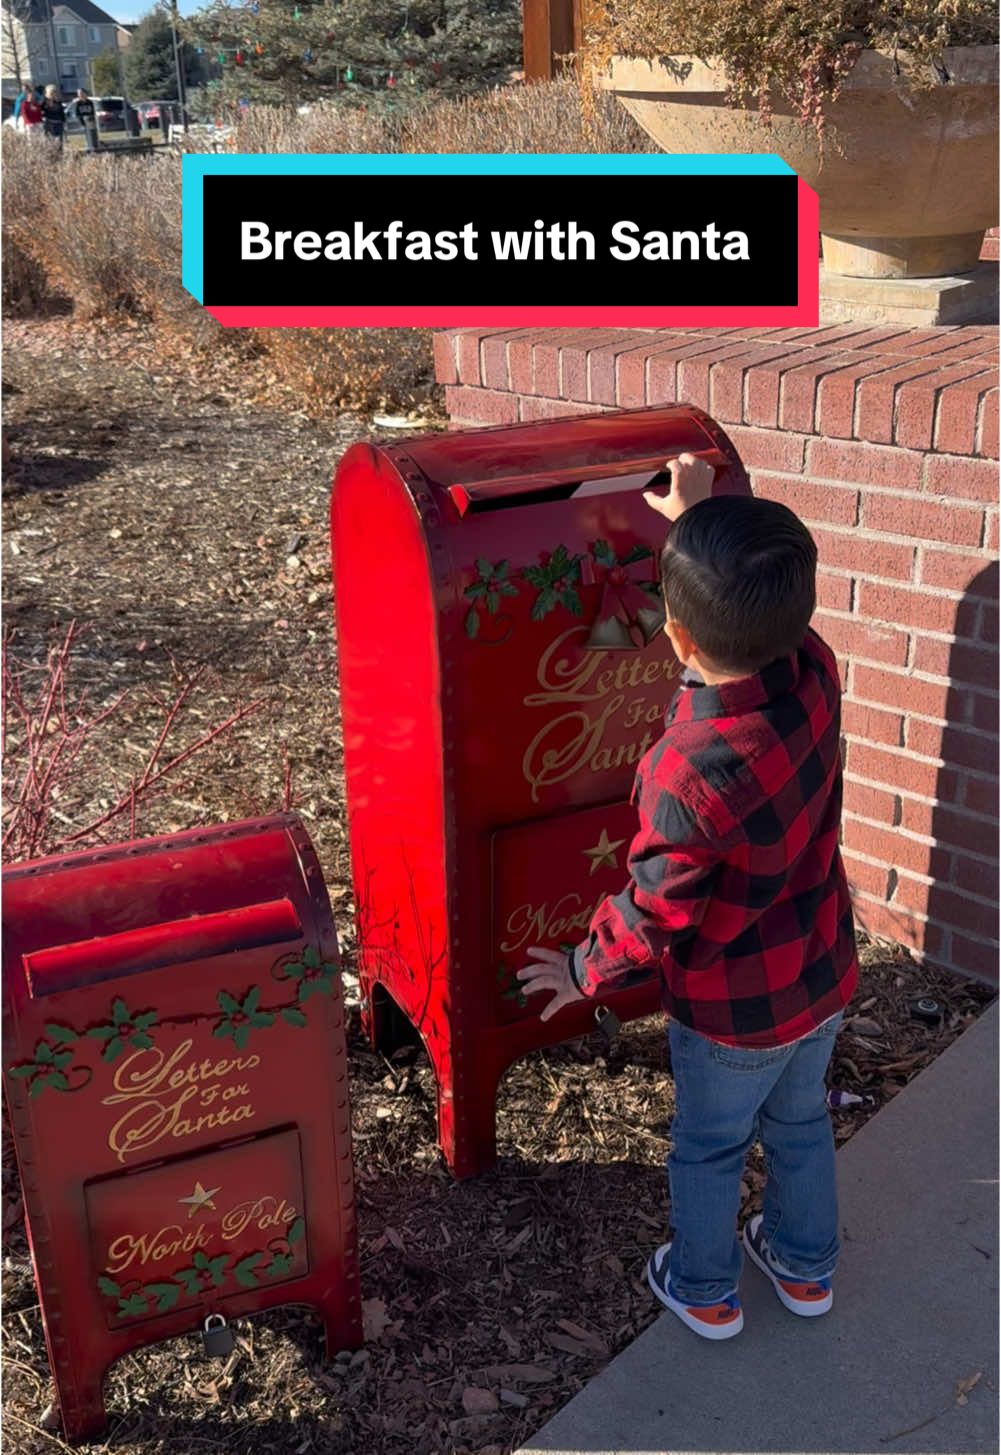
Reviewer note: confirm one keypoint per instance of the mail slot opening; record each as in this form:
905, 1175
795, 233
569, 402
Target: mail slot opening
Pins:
478, 497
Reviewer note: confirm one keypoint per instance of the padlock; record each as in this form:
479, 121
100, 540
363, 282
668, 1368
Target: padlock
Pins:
218, 1338
607, 1023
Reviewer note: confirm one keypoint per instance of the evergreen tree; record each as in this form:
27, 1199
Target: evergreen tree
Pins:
384, 53
105, 76
150, 73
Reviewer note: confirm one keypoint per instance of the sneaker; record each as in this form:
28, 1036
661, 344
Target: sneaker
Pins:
716, 1321
806, 1297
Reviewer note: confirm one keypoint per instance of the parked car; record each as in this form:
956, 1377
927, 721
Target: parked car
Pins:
151, 113
109, 112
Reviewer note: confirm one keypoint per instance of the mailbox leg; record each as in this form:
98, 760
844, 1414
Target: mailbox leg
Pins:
384, 1023
467, 1117
82, 1412
341, 1327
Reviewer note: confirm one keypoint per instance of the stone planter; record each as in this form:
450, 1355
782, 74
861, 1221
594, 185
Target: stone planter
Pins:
908, 182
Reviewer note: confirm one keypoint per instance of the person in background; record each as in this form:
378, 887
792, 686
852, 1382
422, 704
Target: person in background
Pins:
26, 89
53, 114
87, 118
30, 115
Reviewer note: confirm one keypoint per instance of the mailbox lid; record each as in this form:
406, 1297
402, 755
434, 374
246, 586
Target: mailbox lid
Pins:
72, 921
485, 466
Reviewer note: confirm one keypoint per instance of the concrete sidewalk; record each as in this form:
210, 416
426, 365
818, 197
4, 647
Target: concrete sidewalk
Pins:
916, 1308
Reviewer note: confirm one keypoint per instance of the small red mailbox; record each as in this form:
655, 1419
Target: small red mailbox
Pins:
175, 1071
502, 671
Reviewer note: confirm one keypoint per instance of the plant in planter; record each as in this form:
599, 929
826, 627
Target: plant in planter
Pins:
889, 111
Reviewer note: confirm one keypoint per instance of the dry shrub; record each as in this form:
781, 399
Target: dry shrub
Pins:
548, 117
355, 368
799, 52
26, 285
106, 230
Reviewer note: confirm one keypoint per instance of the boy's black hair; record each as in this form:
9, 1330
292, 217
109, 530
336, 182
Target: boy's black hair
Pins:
741, 576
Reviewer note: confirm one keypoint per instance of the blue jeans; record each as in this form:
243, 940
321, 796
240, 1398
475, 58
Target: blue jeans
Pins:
726, 1098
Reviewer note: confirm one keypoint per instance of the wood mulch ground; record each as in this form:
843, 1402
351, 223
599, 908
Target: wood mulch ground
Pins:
176, 509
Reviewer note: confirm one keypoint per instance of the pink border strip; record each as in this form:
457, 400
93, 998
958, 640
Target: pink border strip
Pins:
805, 312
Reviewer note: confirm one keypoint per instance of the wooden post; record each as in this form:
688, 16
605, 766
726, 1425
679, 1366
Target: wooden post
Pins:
551, 28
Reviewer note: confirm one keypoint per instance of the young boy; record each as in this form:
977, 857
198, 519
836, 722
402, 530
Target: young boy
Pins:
738, 895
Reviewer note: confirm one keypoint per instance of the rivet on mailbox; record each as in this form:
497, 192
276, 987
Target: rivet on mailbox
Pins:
502, 671
175, 1070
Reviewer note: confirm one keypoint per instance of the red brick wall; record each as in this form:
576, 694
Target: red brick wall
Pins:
885, 441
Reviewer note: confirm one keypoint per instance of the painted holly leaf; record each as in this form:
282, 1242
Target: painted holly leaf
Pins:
132, 1307
62, 1035
294, 1016
281, 1263
296, 1232
244, 1270
201, 1260
108, 1286
217, 1269
127, 1031
638, 553
28, 1068
44, 1054
319, 976
572, 601
190, 1278
241, 1016
494, 581
166, 1295
603, 554
544, 603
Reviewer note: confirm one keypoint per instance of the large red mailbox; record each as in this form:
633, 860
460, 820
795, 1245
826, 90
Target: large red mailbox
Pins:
175, 1071
502, 671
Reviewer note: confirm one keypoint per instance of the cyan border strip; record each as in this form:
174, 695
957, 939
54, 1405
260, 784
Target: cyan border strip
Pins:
197, 167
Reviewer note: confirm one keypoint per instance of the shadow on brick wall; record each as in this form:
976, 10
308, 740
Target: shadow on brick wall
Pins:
962, 902
943, 902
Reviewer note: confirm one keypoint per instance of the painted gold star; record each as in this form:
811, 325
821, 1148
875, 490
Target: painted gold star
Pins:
603, 854
199, 1199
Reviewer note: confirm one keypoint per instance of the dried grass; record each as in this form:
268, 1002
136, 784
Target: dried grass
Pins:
547, 117
105, 232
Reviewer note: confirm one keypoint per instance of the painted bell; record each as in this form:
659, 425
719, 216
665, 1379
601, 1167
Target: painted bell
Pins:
650, 620
609, 634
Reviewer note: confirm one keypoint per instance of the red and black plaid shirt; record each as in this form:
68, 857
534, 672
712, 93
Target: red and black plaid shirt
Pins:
738, 892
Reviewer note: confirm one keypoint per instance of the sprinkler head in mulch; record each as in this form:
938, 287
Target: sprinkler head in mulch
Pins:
926, 1010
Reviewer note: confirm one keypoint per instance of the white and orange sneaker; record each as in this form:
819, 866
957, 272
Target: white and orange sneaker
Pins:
716, 1321
808, 1297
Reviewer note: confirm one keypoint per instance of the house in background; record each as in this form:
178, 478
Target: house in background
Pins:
47, 42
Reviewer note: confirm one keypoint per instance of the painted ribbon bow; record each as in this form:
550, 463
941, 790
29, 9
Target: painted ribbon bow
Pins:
625, 607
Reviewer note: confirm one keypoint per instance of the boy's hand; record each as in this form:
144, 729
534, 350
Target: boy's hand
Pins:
550, 972
691, 481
